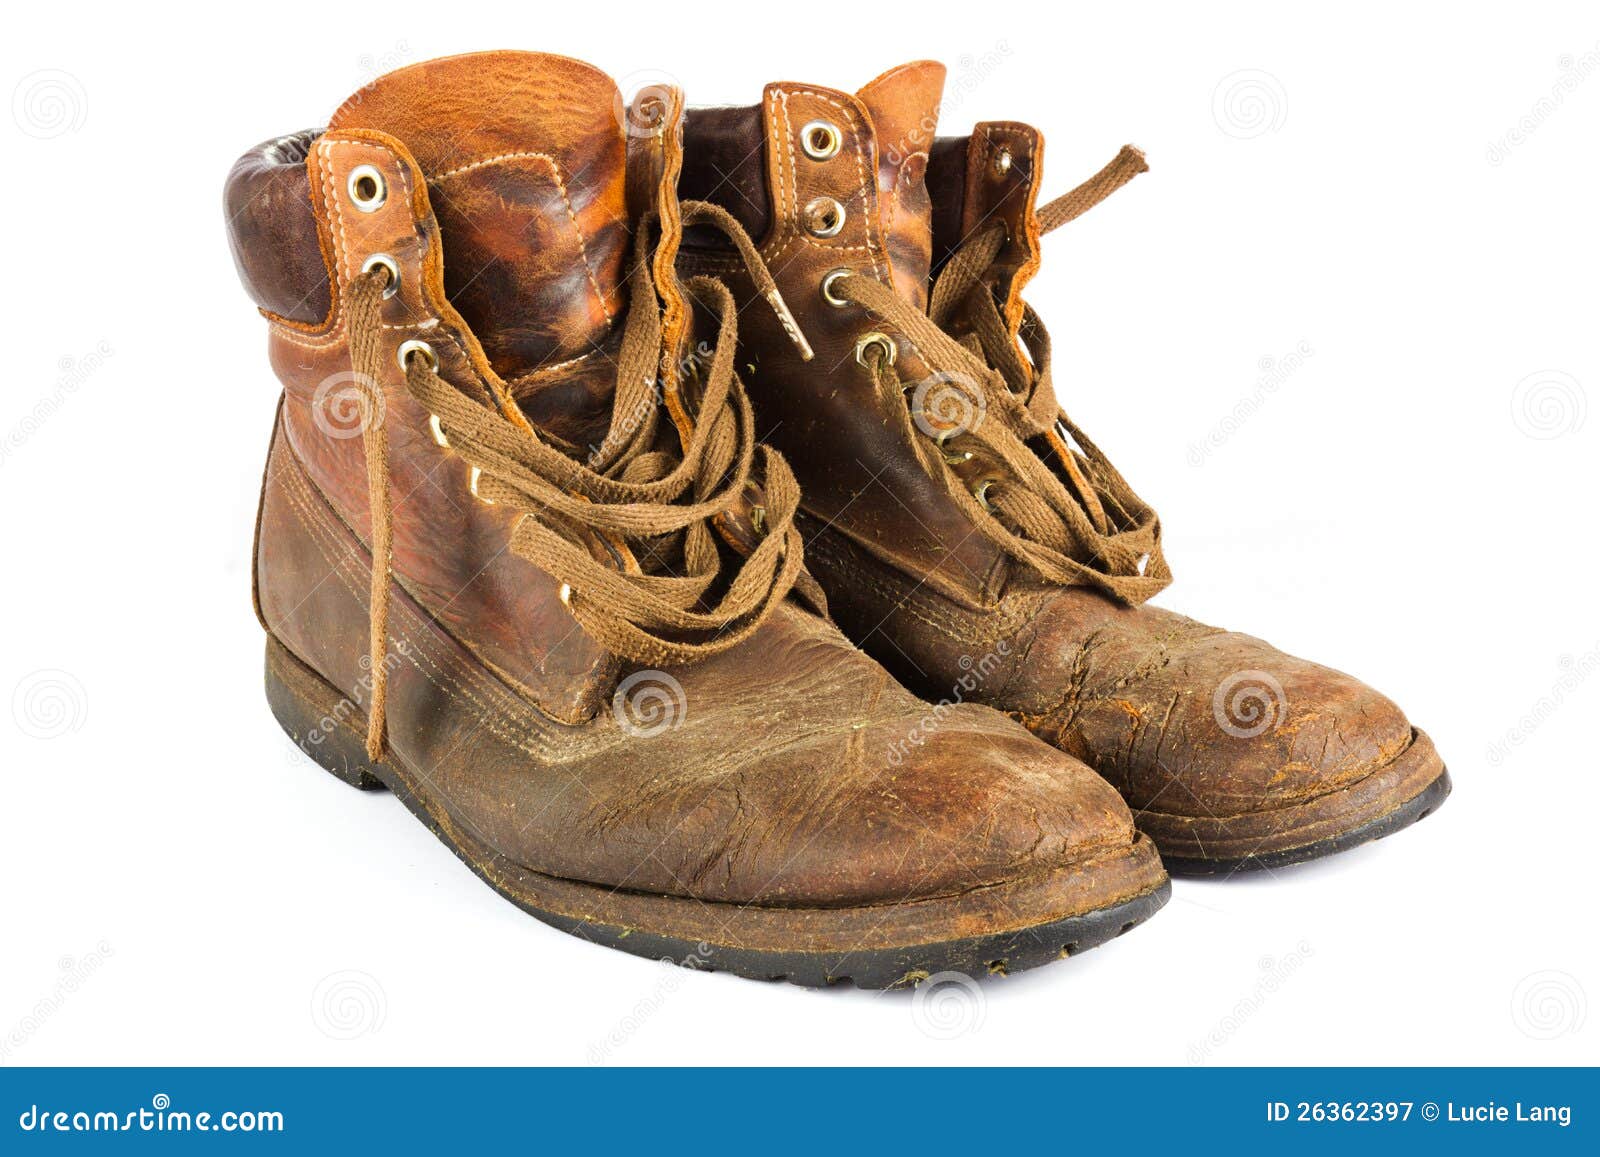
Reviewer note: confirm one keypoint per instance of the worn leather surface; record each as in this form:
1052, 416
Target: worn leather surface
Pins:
903, 105
791, 770
500, 607
1133, 691
524, 155
822, 414
1181, 717
272, 229
1005, 165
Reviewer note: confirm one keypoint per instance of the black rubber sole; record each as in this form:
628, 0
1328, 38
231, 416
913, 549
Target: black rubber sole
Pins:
1412, 811
340, 750
976, 957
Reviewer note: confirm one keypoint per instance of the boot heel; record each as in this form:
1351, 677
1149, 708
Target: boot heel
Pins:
326, 725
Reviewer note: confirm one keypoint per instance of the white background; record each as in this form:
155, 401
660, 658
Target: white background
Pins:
1414, 503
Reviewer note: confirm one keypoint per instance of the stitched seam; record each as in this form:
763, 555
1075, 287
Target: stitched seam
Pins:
862, 187
568, 364
334, 338
572, 215
423, 626
331, 200
786, 227
902, 179
340, 558
955, 623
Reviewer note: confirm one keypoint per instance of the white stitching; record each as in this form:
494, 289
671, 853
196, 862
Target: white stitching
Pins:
773, 250
561, 187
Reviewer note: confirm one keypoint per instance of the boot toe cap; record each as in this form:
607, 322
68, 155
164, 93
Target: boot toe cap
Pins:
1232, 725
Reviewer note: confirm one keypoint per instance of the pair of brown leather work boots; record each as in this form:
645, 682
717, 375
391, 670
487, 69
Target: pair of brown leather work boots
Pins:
673, 509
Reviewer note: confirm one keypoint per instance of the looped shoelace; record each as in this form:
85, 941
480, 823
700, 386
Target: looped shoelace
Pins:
1050, 498
628, 533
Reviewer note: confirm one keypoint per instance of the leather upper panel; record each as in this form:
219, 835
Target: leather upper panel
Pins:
272, 229
525, 157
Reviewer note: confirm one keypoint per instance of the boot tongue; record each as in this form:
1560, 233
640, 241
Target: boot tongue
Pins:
904, 106
525, 156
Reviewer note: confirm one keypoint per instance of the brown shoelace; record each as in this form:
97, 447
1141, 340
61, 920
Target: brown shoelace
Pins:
644, 504
1045, 495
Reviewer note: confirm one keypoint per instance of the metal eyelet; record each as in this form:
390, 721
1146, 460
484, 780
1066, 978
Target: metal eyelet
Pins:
1000, 163
828, 282
980, 492
820, 140
824, 217
950, 458
565, 594
472, 485
367, 188
437, 431
407, 348
384, 261
882, 341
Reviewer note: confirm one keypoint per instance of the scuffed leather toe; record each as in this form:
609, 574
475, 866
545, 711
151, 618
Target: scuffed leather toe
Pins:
977, 802
1190, 720
793, 771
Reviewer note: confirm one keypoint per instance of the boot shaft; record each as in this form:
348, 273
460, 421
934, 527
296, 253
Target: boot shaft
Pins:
507, 231
832, 183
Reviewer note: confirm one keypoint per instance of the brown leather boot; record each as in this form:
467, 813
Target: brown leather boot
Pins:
950, 508
521, 560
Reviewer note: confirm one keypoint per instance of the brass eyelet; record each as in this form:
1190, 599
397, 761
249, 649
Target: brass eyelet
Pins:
367, 188
384, 261
828, 282
1000, 163
437, 431
824, 217
821, 140
950, 458
880, 340
407, 348
472, 485
565, 594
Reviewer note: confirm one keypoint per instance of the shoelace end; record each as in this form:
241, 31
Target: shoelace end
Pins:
790, 326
